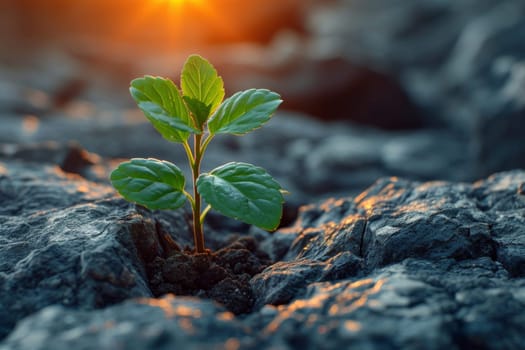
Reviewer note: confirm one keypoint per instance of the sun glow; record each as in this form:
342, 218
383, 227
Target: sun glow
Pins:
180, 3
168, 26
179, 22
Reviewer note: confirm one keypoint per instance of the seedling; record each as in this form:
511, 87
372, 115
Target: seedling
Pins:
238, 190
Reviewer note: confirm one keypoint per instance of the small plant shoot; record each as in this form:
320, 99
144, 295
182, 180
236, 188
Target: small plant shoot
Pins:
198, 109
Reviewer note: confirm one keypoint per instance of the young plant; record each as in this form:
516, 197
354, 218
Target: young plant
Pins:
238, 190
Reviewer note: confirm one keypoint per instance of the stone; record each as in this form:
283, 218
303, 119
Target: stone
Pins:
329, 88
72, 242
395, 220
310, 158
411, 305
461, 62
65, 241
406, 264
403, 265
139, 324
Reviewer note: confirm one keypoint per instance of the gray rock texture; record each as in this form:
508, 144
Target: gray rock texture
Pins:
139, 324
403, 265
461, 61
310, 158
68, 241
396, 220
428, 96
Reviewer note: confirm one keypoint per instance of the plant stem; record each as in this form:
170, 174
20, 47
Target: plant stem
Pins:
188, 153
198, 235
203, 215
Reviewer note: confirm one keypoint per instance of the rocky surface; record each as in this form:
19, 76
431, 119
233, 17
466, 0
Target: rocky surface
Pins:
419, 89
396, 220
462, 63
329, 88
403, 265
310, 158
69, 241
64, 241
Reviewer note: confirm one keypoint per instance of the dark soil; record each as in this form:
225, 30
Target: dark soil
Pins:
223, 275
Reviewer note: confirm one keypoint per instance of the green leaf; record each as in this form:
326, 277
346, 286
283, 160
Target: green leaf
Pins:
244, 192
162, 103
200, 111
152, 183
200, 81
244, 112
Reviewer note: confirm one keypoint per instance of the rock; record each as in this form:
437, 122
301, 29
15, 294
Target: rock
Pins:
328, 88
66, 241
481, 87
414, 304
311, 159
69, 241
410, 305
461, 62
412, 34
139, 324
403, 265
395, 220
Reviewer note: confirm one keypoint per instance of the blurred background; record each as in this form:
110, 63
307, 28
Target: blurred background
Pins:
423, 89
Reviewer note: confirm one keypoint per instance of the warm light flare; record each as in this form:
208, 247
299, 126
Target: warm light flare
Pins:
179, 23
178, 4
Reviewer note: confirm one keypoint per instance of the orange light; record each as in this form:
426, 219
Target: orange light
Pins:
180, 3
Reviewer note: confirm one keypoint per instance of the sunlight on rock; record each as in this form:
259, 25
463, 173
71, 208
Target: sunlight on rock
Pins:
349, 297
187, 311
226, 316
355, 296
232, 344
352, 326
185, 323
427, 186
331, 203
388, 193
80, 110
351, 219
287, 311
100, 171
503, 184
30, 124
82, 188
170, 311
3, 170
38, 98
421, 206
73, 183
